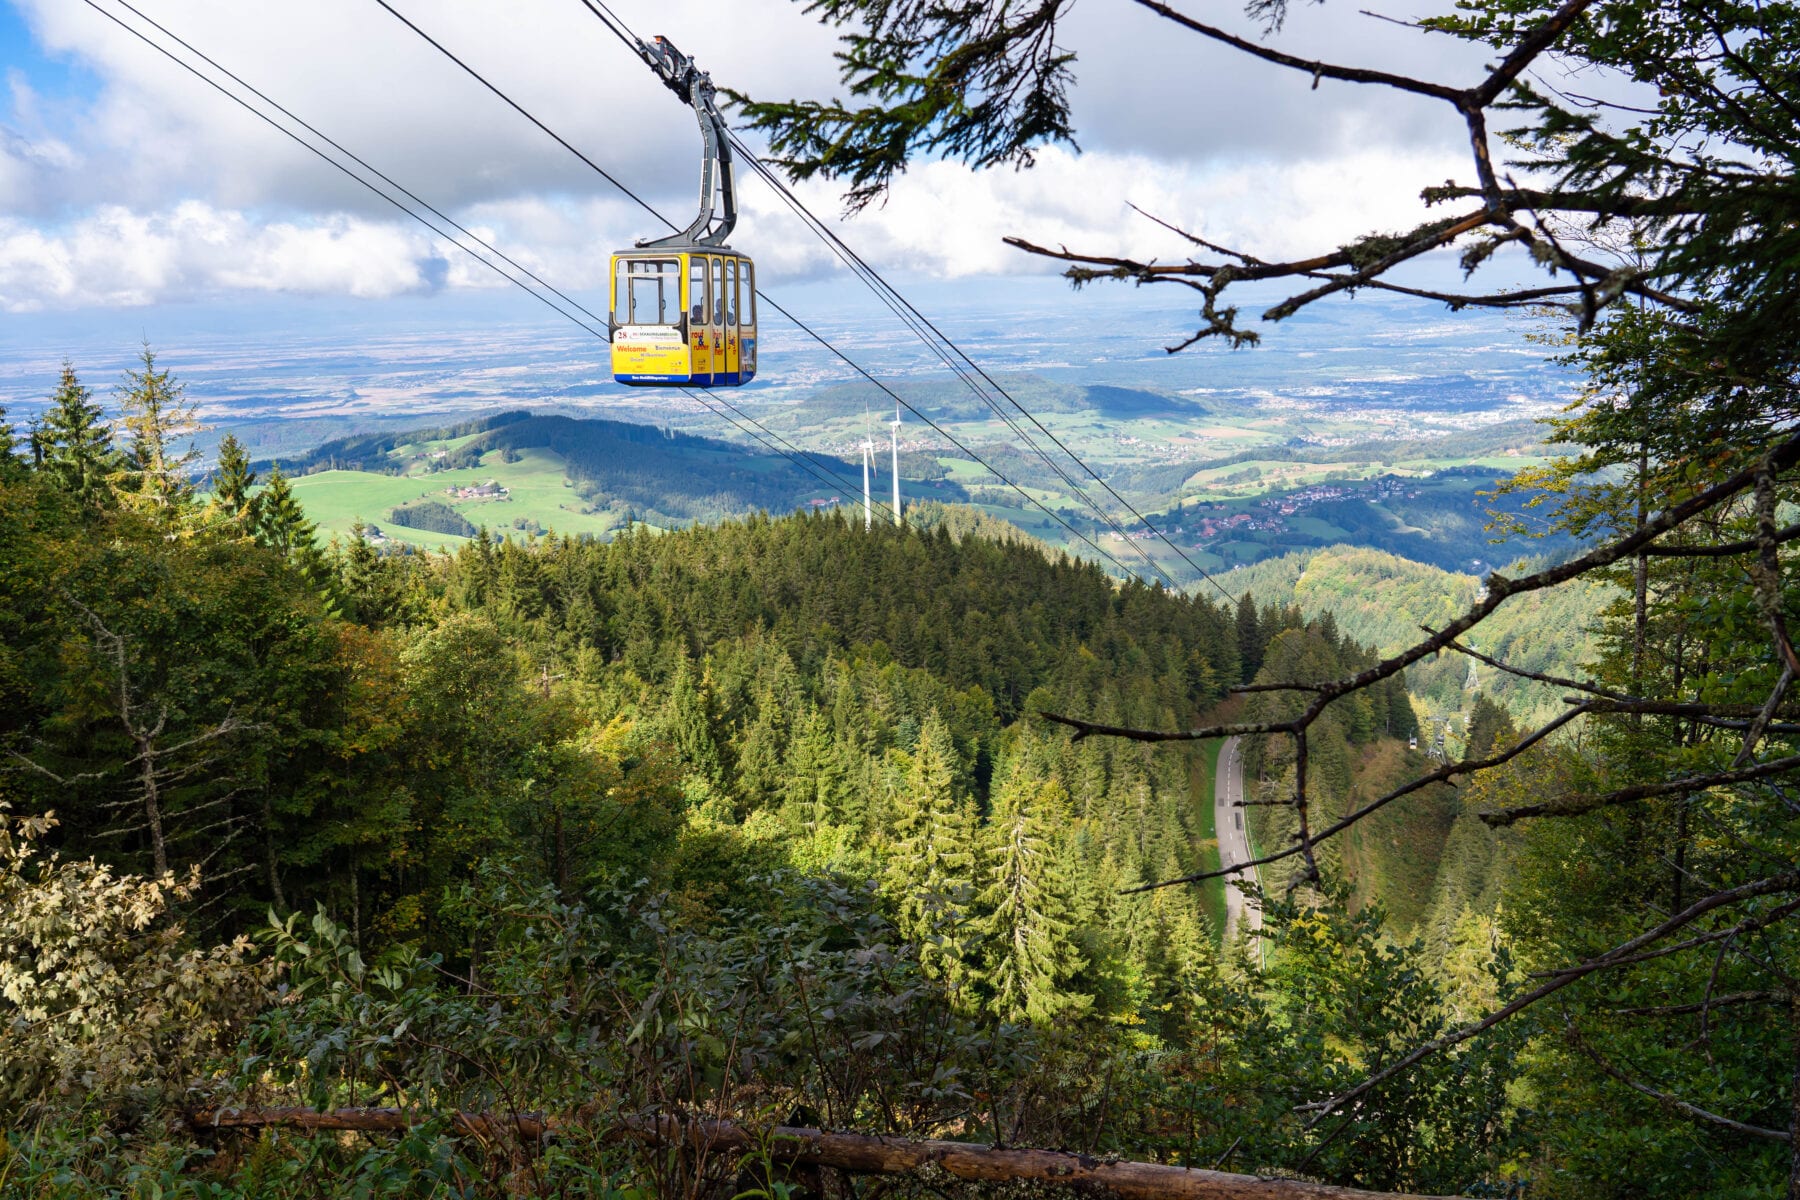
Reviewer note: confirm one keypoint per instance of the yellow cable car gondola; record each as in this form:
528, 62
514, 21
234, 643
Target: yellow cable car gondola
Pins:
684, 306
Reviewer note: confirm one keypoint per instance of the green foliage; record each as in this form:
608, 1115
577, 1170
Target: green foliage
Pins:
156, 472
233, 480
977, 81
1384, 602
101, 1001
9, 442
465, 757
1031, 907
933, 861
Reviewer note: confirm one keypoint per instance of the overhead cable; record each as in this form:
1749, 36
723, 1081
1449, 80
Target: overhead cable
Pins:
824, 474
646, 206
914, 320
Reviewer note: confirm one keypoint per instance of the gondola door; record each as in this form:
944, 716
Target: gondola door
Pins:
701, 334
733, 367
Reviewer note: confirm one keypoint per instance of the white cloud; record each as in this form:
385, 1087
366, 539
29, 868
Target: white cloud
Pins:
157, 189
946, 220
943, 220
119, 258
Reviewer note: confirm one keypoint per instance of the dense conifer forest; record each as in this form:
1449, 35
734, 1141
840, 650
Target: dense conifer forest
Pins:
409, 771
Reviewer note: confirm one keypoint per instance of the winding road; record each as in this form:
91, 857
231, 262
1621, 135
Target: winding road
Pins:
1234, 842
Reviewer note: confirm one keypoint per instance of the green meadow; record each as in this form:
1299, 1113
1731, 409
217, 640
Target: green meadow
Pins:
540, 493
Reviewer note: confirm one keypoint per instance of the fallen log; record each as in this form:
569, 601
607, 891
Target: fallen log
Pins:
856, 1153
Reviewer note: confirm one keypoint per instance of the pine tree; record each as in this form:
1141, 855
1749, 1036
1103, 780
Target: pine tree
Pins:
1489, 727
73, 444
155, 474
814, 777
758, 758
9, 461
282, 526
371, 596
687, 720
233, 480
281, 522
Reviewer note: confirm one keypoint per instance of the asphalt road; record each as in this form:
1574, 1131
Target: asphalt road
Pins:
1234, 843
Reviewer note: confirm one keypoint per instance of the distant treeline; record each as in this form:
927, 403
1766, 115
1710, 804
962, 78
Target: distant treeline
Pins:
1493, 439
370, 451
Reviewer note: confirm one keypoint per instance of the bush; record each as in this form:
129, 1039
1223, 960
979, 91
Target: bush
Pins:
101, 999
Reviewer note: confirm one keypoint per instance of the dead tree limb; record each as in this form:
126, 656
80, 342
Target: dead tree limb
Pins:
1674, 1103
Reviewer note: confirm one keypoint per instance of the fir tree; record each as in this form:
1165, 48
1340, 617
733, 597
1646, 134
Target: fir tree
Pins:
281, 525
155, 411
1029, 923
9, 460
233, 479
1250, 638
281, 522
73, 444
814, 783
758, 757
370, 595
687, 721
933, 858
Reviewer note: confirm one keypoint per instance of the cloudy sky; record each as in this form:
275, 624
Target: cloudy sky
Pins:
124, 183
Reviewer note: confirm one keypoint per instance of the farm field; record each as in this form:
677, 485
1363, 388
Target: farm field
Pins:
540, 494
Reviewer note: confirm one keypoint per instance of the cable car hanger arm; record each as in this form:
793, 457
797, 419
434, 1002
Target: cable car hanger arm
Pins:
695, 87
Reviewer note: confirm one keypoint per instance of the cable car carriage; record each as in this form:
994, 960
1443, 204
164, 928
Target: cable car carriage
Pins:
683, 309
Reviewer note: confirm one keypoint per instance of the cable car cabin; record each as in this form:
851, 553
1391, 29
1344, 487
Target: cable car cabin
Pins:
683, 316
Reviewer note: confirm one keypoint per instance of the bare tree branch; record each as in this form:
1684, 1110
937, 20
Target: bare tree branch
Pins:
1621, 955
1681, 1106
1574, 804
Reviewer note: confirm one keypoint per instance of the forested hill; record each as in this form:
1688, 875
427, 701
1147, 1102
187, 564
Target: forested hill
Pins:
629, 771
671, 477
1005, 617
1384, 601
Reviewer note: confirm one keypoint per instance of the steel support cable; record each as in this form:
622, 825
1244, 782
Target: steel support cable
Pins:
923, 330
903, 310
719, 398
876, 279
326, 158
840, 481
947, 435
932, 336
710, 399
610, 178
355, 158
633, 43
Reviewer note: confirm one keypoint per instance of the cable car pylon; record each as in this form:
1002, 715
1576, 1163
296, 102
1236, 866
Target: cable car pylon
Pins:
895, 424
868, 449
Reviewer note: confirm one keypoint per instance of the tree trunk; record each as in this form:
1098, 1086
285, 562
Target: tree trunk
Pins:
268, 816
1793, 1188
159, 850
